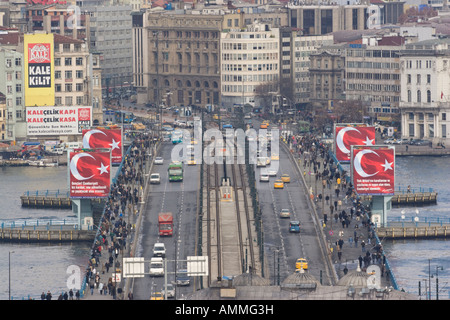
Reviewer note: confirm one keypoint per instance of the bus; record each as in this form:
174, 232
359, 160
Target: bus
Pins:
124, 116
175, 171
177, 137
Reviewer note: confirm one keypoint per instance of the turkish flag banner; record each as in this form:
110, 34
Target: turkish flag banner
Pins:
349, 135
89, 173
373, 170
105, 138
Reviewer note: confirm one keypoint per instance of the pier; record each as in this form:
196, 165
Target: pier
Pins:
414, 230
409, 199
58, 199
44, 230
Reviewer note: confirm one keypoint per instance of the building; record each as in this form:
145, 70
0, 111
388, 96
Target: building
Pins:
320, 19
108, 30
12, 88
373, 76
250, 58
3, 131
327, 73
302, 48
176, 57
425, 90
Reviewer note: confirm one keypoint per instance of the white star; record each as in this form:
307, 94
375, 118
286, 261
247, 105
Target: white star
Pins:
103, 168
114, 145
368, 142
387, 165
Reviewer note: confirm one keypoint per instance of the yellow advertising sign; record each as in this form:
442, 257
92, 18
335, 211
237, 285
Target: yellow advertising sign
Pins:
39, 70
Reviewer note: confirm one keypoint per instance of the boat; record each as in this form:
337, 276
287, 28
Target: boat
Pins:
42, 163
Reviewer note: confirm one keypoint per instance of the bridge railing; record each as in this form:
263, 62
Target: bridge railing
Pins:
40, 224
403, 189
47, 193
430, 221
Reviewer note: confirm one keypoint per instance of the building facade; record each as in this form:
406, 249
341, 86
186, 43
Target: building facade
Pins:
176, 58
425, 90
12, 87
249, 58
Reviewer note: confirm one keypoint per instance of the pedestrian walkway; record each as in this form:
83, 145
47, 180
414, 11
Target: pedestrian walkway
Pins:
103, 279
351, 242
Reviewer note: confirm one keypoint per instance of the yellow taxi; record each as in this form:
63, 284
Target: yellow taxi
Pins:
193, 141
278, 184
264, 125
156, 296
285, 178
301, 263
192, 162
275, 156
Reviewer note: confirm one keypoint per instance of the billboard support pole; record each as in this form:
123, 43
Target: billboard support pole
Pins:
380, 208
85, 215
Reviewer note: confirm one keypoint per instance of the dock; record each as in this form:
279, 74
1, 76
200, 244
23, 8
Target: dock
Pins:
410, 199
411, 230
67, 233
58, 199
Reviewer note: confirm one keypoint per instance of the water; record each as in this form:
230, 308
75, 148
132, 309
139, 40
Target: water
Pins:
413, 261
35, 267
41, 267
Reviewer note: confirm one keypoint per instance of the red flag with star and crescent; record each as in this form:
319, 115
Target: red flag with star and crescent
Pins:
105, 138
373, 170
89, 173
347, 136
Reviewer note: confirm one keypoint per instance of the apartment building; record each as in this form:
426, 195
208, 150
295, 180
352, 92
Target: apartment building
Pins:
249, 58
373, 76
425, 90
3, 131
176, 57
302, 48
12, 88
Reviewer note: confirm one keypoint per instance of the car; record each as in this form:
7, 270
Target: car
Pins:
275, 156
260, 162
301, 263
294, 226
182, 278
159, 250
193, 141
285, 213
170, 291
279, 184
156, 267
156, 296
192, 162
285, 178
158, 160
272, 173
420, 142
389, 141
264, 178
155, 178
401, 141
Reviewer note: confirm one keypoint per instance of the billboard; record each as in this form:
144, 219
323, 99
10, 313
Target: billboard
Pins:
347, 135
105, 137
42, 121
89, 173
39, 70
373, 169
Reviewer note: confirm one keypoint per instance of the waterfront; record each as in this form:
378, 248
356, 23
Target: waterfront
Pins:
41, 267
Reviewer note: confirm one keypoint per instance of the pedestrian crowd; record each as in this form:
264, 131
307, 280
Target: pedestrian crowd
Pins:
346, 210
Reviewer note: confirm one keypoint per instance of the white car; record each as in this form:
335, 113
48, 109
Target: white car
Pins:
285, 213
158, 160
264, 178
170, 291
272, 173
155, 178
159, 250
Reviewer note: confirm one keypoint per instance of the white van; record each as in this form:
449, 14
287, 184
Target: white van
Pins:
156, 267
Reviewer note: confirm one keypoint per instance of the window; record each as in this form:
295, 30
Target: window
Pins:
428, 78
68, 74
444, 117
408, 79
57, 62
18, 62
18, 87
80, 101
79, 87
68, 87
409, 95
8, 63
419, 97
418, 79
57, 87
428, 96
79, 61
57, 74
68, 101
68, 61
79, 74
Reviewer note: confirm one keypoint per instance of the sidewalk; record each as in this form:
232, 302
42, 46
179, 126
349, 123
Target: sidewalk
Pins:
345, 225
118, 225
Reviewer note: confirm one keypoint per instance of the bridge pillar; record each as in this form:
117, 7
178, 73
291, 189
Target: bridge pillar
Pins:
84, 211
380, 207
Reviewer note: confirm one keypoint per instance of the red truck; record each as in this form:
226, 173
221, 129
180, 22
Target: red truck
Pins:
165, 221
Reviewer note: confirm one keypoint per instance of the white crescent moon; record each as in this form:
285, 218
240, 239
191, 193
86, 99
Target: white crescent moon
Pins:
88, 135
357, 163
74, 166
340, 139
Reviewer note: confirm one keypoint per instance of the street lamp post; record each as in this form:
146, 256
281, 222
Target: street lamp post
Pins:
9, 274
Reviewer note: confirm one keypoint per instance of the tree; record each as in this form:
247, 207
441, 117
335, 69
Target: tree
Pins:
413, 14
351, 111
